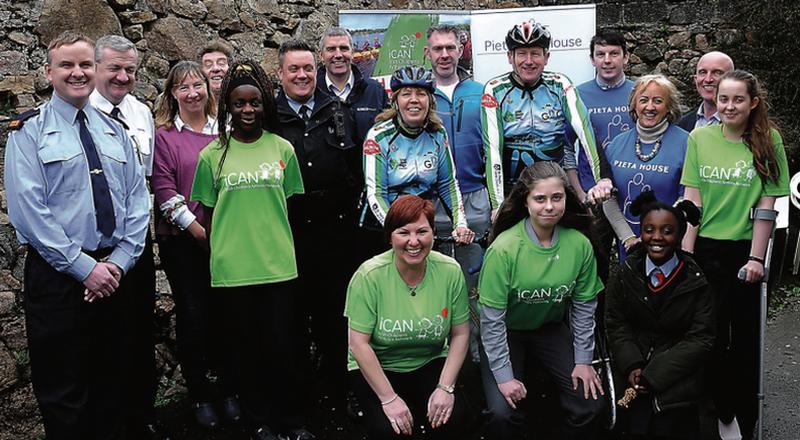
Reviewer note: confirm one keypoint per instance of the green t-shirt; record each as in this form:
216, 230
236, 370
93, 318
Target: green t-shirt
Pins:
729, 185
533, 283
407, 331
251, 242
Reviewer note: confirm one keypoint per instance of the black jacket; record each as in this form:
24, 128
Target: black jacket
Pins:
669, 344
365, 101
688, 120
329, 158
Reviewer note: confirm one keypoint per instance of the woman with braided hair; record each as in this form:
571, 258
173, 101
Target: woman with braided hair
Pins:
245, 177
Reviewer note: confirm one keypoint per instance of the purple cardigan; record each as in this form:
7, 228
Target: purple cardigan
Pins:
174, 165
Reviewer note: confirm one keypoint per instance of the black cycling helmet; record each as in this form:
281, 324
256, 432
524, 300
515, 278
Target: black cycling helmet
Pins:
412, 76
528, 34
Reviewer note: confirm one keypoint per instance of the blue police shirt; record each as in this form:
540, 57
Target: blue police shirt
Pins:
49, 191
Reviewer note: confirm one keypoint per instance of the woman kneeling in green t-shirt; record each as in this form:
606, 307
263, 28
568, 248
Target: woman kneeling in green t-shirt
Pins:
408, 331
539, 262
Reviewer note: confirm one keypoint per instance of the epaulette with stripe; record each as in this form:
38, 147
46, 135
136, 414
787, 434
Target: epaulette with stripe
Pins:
19, 121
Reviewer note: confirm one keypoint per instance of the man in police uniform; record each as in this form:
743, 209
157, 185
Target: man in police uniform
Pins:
77, 198
323, 220
116, 61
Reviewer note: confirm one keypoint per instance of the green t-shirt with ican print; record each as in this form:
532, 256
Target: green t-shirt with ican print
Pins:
729, 185
251, 241
534, 284
407, 331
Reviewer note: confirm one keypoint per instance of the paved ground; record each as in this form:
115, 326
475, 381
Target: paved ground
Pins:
783, 374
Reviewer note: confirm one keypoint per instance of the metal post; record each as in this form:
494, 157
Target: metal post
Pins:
762, 355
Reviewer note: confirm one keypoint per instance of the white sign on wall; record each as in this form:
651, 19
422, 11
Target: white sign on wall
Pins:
571, 29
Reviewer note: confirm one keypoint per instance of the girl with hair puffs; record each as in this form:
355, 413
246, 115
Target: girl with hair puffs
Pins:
539, 271
660, 324
729, 169
245, 177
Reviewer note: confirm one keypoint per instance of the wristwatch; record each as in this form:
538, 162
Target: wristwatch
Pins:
449, 389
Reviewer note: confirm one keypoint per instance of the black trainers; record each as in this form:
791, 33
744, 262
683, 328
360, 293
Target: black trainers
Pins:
205, 415
264, 433
148, 431
353, 407
299, 434
231, 409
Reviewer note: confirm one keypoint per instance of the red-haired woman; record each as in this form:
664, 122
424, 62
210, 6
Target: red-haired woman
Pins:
408, 330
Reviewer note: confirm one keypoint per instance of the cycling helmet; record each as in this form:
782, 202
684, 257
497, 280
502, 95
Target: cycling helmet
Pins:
412, 76
528, 34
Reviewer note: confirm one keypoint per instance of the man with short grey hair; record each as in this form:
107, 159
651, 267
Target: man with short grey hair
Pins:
338, 77
116, 62
710, 69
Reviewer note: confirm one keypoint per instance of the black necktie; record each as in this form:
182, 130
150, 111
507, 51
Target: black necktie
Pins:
304, 110
115, 113
103, 208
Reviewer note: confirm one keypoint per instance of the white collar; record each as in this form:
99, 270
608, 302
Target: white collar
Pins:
348, 86
208, 128
102, 103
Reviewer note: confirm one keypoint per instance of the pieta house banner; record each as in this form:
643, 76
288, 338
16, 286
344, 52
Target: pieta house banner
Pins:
387, 40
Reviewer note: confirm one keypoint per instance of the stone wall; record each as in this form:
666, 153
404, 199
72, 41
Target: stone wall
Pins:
664, 36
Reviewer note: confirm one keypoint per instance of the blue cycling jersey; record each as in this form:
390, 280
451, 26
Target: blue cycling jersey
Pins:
397, 164
522, 125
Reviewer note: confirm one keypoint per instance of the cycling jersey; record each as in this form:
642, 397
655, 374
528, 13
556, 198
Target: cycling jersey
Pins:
396, 163
522, 125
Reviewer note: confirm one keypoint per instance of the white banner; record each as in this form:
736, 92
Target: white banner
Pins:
571, 29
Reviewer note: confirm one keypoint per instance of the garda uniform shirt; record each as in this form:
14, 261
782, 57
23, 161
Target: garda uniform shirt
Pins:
534, 284
407, 331
729, 185
251, 242
48, 187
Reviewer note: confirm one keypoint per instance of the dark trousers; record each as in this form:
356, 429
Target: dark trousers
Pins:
262, 329
415, 388
640, 422
326, 260
77, 353
733, 373
198, 317
551, 347
139, 297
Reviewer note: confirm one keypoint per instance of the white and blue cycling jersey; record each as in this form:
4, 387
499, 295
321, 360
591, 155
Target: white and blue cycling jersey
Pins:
522, 125
397, 163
